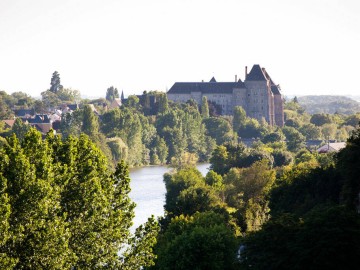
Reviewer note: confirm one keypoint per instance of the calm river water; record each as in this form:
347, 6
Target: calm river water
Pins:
148, 191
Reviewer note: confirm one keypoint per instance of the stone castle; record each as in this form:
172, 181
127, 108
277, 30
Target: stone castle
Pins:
258, 95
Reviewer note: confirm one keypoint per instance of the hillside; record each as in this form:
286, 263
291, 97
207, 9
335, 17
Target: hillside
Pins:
329, 104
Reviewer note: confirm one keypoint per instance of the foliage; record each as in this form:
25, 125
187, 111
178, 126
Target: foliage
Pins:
320, 119
205, 107
62, 209
201, 241
246, 190
329, 104
324, 239
219, 129
55, 85
239, 119
177, 183
295, 140
112, 93
252, 129
20, 128
348, 164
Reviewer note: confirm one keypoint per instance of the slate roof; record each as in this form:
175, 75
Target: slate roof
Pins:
256, 74
205, 87
39, 119
23, 112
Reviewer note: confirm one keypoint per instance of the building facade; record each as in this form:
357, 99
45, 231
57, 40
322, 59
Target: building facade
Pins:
258, 95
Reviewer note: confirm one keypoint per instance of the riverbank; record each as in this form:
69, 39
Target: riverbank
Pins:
148, 190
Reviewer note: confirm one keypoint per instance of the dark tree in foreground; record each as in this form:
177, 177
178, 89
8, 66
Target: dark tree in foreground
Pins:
61, 208
326, 238
202, 241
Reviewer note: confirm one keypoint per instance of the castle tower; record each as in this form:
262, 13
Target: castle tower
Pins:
260, 98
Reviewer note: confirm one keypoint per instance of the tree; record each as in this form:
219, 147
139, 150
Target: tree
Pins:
251, 129
119, 149
204, 107
219, 129
320, 119
61, 208
20, 128
133, 100
112, 93
295, 140
5, 111
50, 99
176, 183
326, 238
273, 137
310, 131
68, 95
203, 241
329, 130
219, 160
39, 237
348, 164
246, 190
239, 118
163, 104
55, 83
90, 123
282, 158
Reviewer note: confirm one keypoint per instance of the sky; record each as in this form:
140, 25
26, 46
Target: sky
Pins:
309, 47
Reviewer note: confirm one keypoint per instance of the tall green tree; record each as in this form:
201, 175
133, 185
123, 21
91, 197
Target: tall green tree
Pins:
112, 93
204, 107
55, 84
239, 118
63, 209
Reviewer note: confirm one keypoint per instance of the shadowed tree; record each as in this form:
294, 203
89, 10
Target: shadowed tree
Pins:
55, 85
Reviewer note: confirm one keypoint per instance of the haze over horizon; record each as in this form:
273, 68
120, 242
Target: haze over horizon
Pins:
309, 47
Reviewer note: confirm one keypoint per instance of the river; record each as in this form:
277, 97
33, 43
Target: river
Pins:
148, 191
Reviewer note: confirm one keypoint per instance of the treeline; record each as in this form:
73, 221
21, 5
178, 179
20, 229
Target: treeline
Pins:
149, 129
164, 132
251, 213
329, 104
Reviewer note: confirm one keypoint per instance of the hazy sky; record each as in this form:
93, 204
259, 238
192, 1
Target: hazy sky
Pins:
307, 46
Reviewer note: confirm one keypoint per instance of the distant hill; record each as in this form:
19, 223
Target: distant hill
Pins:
329, 104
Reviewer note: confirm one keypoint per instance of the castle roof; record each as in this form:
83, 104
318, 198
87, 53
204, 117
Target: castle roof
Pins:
274, 87
205, 87
256, 74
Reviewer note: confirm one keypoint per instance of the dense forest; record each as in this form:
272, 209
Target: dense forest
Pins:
249, 213
269, 201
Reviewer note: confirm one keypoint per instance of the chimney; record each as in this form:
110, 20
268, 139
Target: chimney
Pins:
235, 78
245, 72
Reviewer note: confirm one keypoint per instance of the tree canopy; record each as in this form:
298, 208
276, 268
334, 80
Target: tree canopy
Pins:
61, 208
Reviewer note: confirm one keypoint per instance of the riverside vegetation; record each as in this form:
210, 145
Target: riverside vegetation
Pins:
275, 205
